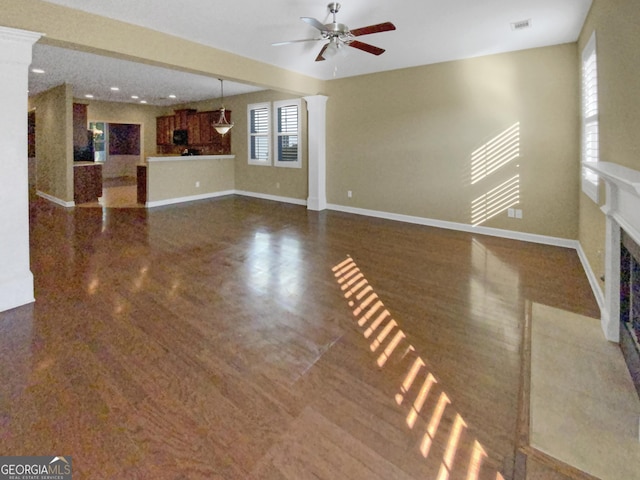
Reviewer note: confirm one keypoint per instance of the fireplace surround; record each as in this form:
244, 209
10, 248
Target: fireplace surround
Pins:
630, 306
622, 257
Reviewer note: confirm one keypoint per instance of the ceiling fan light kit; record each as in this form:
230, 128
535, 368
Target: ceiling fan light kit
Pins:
339, 35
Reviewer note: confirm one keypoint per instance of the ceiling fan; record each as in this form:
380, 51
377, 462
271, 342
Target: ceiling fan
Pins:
339, 35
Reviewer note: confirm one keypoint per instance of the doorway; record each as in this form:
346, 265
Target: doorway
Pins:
117, 146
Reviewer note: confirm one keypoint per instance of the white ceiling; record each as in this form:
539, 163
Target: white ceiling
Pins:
90, 74
427, 31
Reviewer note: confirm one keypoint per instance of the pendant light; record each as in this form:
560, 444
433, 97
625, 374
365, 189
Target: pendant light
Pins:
222, 126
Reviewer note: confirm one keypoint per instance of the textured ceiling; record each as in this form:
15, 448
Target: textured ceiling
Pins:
428, 31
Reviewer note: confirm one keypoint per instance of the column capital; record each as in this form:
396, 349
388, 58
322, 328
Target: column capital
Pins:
315, 100
22, 42
17, 35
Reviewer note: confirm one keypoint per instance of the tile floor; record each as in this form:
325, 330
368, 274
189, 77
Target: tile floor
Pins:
584, 408
117, 193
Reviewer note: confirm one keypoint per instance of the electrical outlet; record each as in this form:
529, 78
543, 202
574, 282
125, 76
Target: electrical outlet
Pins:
197, 184
349, 193
518, 213
277, 184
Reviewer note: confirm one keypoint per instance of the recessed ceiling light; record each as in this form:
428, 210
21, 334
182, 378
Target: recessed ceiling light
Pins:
37, 70
135, 97
172, 96
88, 95
143, 101
115, 89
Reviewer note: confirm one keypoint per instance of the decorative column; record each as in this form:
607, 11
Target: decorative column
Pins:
16, 280
610, 314
317, 137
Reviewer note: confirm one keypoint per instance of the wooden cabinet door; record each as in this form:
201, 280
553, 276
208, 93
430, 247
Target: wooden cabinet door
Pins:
160, 130
164, 130
206, 119
193, 129
80, 125
171, 126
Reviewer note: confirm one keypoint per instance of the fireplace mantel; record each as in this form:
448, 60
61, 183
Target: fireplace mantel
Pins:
622, 210
622, 176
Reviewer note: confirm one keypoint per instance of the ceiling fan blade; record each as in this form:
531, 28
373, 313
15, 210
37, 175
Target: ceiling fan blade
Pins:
380, 27
365, 47
277, 44
320, 58
313, 22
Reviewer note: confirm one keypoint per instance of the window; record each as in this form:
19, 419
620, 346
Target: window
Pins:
590, 148
259, 134
287, 133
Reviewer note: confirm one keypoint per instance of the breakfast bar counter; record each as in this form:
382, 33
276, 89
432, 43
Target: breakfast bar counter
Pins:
168, 179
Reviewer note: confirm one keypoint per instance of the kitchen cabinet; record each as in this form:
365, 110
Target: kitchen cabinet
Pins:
87, 182
164, 129
141, 178
193, 129
201, 134
182, 118
82, 136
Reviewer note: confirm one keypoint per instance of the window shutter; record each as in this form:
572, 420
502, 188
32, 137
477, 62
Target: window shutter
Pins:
259, 148
590, 140
288, 133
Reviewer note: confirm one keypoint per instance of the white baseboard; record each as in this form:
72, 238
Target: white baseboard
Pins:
275, 198
592, 277
16, 292
495, 232
191, 198
55, 200
463, 227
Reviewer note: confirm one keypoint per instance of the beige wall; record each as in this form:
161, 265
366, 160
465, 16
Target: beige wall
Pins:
618, 43
118, 112
134, 113
54, 142
177, 179
402, 141
268, 180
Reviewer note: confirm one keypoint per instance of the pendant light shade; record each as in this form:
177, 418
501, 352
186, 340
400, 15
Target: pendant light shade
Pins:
222, 126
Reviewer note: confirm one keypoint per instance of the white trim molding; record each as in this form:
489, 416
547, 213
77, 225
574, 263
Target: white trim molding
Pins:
275, 198
188, 158
592, 277
317, 156
16, 279
462, 227
55, 200
622, 210
190, 198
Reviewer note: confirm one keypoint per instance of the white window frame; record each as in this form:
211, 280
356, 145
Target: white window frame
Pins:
589, 118
277, 134
250, 136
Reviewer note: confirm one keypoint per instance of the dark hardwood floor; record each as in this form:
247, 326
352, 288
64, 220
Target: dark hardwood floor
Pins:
244, 339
